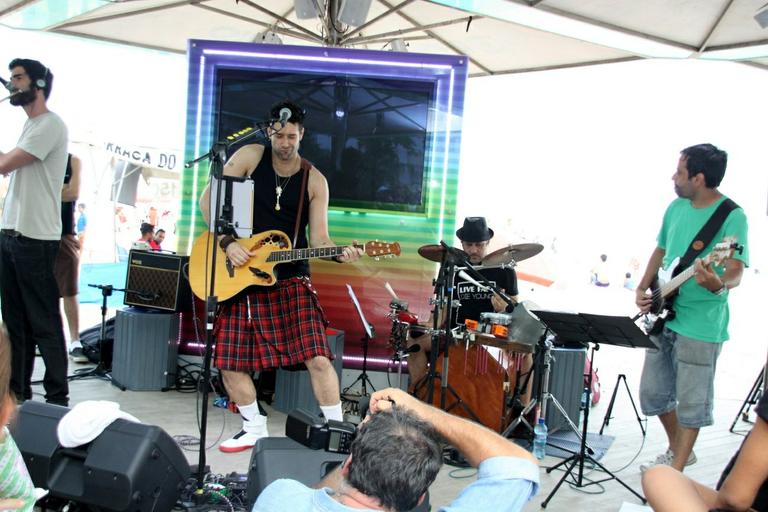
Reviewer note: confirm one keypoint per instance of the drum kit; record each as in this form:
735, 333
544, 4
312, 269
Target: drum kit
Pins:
485, 358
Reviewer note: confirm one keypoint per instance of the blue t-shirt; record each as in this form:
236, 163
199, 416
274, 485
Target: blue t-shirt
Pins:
504, 484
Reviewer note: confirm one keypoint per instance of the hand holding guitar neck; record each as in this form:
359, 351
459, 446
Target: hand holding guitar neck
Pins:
350, 253
706, 277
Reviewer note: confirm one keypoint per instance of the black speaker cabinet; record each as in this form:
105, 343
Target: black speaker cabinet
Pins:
157, 281
280, 457
128, 467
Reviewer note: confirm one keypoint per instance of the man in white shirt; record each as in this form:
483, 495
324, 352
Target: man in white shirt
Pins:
30, 232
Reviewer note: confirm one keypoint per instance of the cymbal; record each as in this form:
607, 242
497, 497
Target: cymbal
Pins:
435, 252
512, 253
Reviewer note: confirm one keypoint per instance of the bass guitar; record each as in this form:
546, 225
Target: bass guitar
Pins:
666, 284
271, 248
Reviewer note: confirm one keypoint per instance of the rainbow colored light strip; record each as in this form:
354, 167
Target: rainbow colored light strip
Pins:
409, 274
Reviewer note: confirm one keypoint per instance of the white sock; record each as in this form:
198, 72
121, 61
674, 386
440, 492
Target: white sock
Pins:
332, 412
75, 344
250, 411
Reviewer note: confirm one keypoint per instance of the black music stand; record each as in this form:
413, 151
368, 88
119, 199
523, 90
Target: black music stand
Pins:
595, 329
366, 339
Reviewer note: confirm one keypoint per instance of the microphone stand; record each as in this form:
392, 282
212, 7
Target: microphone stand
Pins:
223, 224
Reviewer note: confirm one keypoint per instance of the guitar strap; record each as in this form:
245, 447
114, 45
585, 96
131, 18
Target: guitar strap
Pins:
706, 234
306, 165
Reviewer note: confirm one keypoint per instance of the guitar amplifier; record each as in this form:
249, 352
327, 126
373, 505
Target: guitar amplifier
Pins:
157, 281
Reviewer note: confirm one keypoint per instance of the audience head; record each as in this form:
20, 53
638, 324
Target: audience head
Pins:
395, 457
146, 229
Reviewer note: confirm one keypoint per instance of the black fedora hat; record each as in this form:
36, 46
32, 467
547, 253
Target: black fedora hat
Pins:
474, 229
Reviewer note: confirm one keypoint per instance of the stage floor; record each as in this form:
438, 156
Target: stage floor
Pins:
741, 359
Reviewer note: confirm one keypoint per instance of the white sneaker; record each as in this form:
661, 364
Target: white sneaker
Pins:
666, 459
246, 439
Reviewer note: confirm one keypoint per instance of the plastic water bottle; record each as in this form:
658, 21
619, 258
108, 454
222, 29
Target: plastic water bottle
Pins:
540, 439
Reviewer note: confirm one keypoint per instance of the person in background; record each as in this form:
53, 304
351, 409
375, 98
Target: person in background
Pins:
66, 267
600, 272
144, 242
81, 224
157, 240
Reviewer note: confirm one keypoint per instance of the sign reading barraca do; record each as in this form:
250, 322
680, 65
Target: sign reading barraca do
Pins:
153, 157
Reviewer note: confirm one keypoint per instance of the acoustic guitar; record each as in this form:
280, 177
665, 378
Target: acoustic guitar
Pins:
271, 248
666, 284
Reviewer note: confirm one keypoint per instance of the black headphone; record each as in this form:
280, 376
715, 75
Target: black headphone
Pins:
40, 83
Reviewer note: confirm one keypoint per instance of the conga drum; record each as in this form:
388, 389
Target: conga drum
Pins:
480, 381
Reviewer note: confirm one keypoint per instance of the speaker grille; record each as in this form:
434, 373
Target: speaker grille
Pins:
156, 281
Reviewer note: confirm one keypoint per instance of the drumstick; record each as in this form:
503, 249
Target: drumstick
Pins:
390, 290
467, 277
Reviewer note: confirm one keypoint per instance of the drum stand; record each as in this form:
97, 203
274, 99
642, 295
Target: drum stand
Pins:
444, 299
541, 395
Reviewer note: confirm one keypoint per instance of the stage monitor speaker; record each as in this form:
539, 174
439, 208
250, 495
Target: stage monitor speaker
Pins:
281, 457
157, 281
566, 383
128, 467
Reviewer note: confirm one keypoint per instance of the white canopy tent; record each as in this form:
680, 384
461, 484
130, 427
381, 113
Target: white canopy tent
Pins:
499, 36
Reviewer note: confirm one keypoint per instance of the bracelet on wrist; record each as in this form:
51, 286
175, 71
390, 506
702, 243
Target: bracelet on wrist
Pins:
225, 241
721, 290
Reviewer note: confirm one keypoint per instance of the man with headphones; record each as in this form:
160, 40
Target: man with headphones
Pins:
30, 232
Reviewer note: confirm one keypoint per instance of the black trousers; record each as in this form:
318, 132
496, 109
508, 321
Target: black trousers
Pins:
30, 308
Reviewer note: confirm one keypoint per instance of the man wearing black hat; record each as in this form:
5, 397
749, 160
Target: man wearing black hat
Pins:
474, 236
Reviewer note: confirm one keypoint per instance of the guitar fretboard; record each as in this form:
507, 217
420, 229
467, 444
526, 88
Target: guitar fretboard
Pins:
678, 281
305, 254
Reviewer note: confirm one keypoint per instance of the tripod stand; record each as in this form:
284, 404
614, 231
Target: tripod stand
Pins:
541, 395
591, 329
752, 398
366, 339
607, 418
103, 370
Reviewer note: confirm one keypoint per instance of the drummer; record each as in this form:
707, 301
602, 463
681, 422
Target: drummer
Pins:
474, 236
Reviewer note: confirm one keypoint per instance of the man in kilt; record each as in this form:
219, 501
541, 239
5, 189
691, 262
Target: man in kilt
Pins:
281, 325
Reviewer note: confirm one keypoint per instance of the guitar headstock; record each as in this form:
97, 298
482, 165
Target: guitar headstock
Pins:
376, 249
722, 251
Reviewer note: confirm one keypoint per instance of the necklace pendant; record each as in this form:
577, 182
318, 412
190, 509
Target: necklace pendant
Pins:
277, 206
278, 190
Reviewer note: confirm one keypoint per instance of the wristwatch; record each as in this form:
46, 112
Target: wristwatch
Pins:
721, 290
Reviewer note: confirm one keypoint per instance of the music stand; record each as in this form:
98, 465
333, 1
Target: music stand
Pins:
595, 329
366, 339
